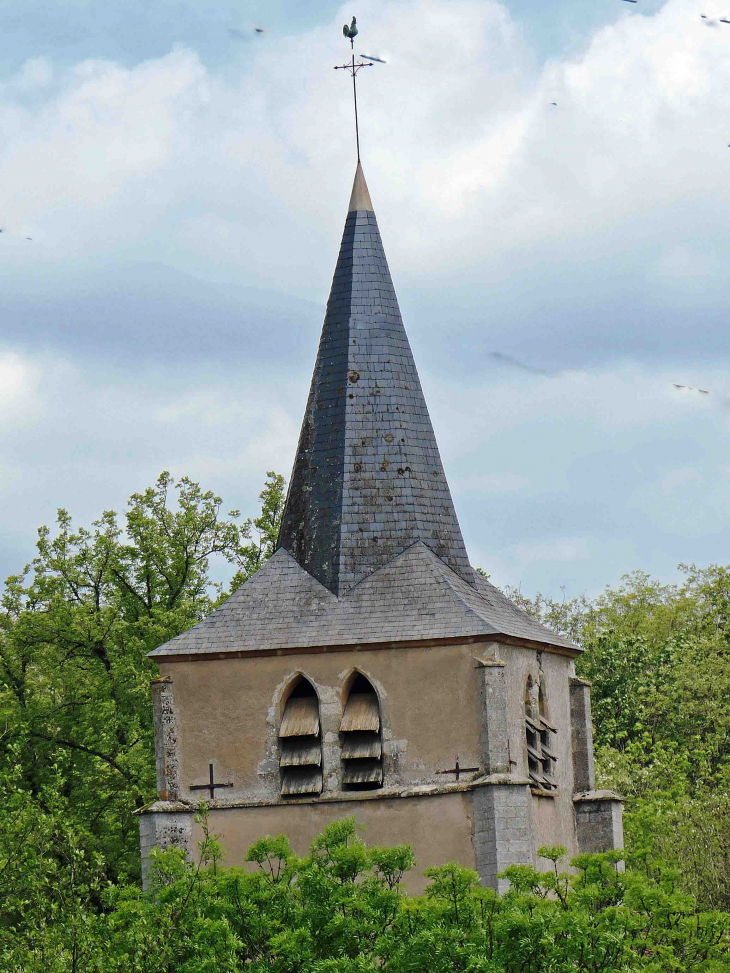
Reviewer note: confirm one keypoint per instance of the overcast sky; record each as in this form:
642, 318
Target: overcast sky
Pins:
184, 182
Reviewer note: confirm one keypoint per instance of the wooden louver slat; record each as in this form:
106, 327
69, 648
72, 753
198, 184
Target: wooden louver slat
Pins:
359, 744
363, 772
301, 780
361, 713
301, 717
301, 752
547, 726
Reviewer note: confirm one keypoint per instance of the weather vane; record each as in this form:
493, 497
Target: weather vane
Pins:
353, 67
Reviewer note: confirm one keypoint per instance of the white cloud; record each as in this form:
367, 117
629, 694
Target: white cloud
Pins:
72, 437
18, 388
680, 478
490, 199
458, 133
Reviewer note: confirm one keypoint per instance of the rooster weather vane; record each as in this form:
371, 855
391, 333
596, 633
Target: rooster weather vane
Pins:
366, 61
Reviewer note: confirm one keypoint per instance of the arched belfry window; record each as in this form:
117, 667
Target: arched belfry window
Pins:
362, 747
300, 747
538, 730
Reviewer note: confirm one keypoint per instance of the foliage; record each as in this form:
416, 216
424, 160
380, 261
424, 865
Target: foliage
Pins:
341, 909
658, 658
75, 630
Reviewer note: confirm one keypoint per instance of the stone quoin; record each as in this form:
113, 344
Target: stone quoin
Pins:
366, 669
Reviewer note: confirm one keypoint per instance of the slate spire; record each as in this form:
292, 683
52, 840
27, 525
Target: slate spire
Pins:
367, 481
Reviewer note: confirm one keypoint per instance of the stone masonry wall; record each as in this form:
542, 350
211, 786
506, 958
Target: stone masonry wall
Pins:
502, 834
163, 830
167, 757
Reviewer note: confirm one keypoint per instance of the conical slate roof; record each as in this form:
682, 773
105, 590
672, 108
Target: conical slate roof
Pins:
370, 550
367, 481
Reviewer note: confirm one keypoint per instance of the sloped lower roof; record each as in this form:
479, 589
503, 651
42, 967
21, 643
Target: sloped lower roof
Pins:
414, 597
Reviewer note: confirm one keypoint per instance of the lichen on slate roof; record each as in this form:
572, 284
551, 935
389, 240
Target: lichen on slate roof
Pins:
367, 480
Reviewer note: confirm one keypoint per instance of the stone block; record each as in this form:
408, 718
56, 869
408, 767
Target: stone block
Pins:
493, 731
599, 821
163, 829
167, 758
502, 834
581, 729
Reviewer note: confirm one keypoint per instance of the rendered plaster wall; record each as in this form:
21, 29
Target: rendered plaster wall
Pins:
229, 712
552, 818
439, 828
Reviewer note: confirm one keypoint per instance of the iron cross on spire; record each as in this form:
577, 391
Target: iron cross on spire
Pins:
353, 67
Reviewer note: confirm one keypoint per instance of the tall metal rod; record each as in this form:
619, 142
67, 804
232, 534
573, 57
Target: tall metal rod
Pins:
354, 92
353, 67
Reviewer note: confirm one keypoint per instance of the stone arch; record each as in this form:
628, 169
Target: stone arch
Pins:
350, 679
290, 685
300, 738
361, 744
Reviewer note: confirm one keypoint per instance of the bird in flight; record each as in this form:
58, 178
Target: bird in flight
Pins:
516, 363
691, 388
242, 35
13, 233
351, 31
631, 1
369, 57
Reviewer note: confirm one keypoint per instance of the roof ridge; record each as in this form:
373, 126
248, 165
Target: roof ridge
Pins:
443, 572
515, 610
378, 569
455, 581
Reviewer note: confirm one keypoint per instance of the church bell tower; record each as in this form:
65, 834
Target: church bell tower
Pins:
366, 668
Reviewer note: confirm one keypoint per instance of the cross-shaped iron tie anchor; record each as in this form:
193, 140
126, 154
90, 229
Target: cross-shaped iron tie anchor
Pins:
457, 769
210, 786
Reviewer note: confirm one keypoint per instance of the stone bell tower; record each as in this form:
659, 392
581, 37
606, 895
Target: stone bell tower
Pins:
367, 669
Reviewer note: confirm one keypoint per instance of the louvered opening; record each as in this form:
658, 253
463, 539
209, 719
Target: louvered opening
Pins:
300, 747
541, 757
361, 744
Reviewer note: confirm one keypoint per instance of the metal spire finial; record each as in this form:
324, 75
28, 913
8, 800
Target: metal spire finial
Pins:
353, 67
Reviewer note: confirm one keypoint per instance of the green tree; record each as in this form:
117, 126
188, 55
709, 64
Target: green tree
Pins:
75, 630
341, 909
658, 658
